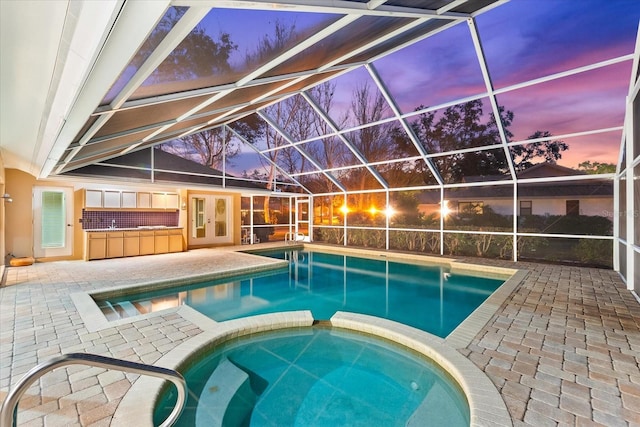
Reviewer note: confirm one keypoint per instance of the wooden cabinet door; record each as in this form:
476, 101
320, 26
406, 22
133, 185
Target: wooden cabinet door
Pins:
92, 198
115, 245
147, 243
131, 243
96, 246
129, 199
143, 200
111, 199
161, 241
175, 241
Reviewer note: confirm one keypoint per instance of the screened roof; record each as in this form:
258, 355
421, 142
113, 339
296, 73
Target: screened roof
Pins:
344, 96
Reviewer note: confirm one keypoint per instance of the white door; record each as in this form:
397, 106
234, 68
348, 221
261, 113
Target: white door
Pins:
210, 219
302, 218
52, 221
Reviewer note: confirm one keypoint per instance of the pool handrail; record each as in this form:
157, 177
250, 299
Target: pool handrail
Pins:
294, 237
9, 408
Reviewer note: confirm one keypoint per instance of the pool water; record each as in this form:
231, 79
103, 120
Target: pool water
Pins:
426, 297
317, 377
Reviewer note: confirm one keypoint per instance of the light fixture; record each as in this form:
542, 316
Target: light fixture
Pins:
445, 209
7, 197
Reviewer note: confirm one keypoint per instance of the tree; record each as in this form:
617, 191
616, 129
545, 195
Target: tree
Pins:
461, 127
208, 147
596, 167
547, 151
198, 55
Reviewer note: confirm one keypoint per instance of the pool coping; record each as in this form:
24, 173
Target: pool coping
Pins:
487, 408
95, 320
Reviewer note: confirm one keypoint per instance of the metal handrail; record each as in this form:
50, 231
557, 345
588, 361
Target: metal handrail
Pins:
9, 408
293, 237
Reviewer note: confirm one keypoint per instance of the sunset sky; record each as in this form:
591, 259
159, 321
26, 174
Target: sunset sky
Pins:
522, 40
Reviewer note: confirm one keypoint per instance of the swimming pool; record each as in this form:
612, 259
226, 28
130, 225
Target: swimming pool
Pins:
317, 376
428, 297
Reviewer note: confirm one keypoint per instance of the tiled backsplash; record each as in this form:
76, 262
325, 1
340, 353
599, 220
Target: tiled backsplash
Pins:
128, 219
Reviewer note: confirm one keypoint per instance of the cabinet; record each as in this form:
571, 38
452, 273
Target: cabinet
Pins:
175, 240
114, 199
124, 243
146, 242
161, 241
93, 198
144, 199
115, 241
129, 199
111, 199
131, 244
164, 200
172, 201
96, 246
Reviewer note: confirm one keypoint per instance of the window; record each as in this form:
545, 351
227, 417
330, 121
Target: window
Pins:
471, 208
573, 207
526, 207
53, 219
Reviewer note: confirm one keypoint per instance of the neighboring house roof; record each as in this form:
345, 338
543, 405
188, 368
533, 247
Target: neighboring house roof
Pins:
565, 189
191, 172
547, 169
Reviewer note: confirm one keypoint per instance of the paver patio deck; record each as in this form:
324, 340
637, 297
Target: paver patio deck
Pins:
564, 348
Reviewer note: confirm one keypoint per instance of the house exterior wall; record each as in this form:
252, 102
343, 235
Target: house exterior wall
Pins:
600, 206
19, 214
590, 206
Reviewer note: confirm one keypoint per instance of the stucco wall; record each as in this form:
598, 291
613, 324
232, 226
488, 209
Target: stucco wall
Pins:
19, 213
588, 206
2, 217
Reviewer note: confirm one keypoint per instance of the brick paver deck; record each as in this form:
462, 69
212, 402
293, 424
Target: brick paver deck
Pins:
564, 349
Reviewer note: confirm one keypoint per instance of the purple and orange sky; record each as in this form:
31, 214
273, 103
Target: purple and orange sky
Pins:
522, 40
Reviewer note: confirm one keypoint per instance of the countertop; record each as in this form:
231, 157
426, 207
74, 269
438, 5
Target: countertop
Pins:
140, 228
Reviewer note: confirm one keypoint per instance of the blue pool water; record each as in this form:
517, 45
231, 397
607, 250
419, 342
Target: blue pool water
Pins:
317, 377
426, 297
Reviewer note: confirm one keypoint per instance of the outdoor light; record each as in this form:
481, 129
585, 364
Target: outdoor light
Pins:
445, 210
389, 212
373, 210
7, 197
344, 209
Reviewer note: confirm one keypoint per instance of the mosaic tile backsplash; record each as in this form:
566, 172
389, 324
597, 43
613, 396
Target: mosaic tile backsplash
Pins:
127, 219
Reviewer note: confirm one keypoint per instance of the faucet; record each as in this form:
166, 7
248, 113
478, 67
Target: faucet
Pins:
113, 223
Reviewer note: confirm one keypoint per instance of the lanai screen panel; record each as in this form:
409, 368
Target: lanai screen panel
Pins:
424, 79
526, 40
242, 42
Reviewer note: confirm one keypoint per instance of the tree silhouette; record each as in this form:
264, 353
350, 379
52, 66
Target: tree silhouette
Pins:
547, 151
461, 127
206, 147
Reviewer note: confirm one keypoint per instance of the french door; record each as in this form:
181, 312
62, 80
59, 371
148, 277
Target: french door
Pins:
210, 219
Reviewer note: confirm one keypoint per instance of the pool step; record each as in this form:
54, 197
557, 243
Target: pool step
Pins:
436, 409
227, 397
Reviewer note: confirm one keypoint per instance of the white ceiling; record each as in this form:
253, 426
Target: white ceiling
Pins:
47, 49
31, 32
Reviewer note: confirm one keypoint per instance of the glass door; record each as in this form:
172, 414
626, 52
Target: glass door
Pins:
302, 218
52, 222
210, 219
